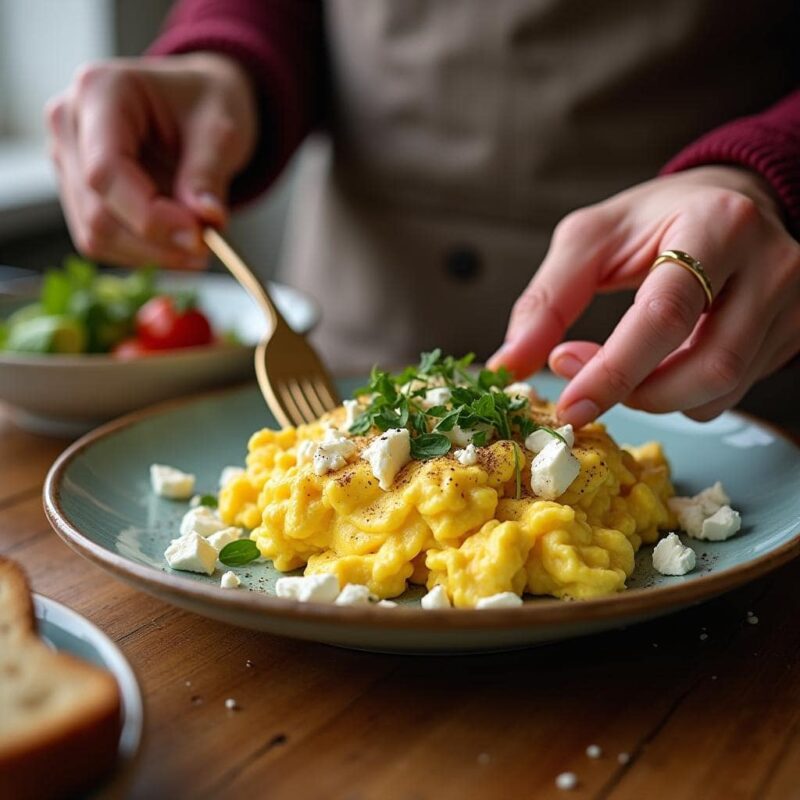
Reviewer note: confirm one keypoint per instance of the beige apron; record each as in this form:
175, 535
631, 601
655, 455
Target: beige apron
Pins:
463, 130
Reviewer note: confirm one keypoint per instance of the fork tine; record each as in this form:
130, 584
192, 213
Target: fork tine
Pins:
300, 399
326, 394
286, 399
310, 391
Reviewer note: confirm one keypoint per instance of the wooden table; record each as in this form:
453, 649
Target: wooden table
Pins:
705, 704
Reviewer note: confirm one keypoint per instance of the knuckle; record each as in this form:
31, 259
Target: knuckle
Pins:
724, 369
737, 209
535, 300
617, 381
582, 223
224, 131
668, 312
88, 75
99, 173
55, 114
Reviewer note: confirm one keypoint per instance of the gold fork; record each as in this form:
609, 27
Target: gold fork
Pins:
294, 381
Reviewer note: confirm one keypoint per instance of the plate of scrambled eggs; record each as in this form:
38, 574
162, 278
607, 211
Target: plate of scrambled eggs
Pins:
443, 508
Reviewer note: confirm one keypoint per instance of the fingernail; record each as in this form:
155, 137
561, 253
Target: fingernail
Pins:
210, 202
497, 359
567, 366
580, 412
186, 240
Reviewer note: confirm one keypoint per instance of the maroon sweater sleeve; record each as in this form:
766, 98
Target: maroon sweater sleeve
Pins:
279, 42
767, 143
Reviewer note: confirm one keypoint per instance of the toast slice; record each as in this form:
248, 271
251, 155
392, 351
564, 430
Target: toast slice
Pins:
59, 716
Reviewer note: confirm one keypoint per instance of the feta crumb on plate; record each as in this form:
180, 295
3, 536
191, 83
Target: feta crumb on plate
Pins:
219, 539
191, 553
171, 483
350, 414
202, 521
320, 588
553, 470
708, 515
520, 389
500, 600
436, 598
721, 525
354, 594
672, 557
332, 453
387, 603
230, 580
387, 454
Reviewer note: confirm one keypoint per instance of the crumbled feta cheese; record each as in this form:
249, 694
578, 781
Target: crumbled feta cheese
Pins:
712, 498
354, 594
231, 704
521, 389
202, 520
500, 600
230, 580
436, 598
225, 536
332, 452
721, 525
191, 553
387, 603
436, 397
689, 513
553, 470
320, 588
468, 456
387, 454
672, 557
594, 751
539, 439
350, 414
170, 482
462, 437
567, 781
229, 474
692, 513
305, 451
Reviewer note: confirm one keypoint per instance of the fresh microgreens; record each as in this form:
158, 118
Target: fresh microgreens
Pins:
239, 553
476, 404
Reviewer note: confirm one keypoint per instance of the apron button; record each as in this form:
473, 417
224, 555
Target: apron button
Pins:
462, 263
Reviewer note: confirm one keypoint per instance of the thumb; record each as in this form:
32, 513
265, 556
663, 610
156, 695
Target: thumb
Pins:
559, 292
207, 166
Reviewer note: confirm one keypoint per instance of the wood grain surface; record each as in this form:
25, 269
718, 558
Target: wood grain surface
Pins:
705, 704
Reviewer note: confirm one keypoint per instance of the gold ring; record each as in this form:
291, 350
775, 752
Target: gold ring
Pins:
691, 265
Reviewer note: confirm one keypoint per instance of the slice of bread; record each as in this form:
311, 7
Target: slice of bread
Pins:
59, 716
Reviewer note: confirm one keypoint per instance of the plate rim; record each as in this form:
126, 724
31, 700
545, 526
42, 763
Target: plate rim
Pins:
131, 735
545, 612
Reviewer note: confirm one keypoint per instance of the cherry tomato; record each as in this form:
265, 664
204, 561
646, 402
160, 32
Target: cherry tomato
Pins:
130, 348
160, 325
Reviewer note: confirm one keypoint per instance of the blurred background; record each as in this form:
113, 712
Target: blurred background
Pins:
42, 42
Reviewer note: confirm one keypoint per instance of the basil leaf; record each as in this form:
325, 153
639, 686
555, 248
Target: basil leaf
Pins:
428, 361
448, 421
419, 423
479, 438
361, 424
208, 500
429, 445
239, 553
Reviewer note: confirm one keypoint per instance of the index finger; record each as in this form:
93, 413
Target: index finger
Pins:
666, 309
557, 295
110, 127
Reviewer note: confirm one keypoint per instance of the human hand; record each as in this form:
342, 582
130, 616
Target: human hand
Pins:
145, 151
665, 354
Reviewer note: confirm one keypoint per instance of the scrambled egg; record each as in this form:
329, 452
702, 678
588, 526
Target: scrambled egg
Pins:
458, 526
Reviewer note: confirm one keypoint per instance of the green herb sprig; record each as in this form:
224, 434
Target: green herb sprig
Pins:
477, 402
239, 553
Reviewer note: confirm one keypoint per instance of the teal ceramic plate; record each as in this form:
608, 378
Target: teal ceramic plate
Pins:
98, 499
66, 630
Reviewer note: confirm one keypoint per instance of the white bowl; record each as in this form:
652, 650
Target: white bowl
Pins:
68, 395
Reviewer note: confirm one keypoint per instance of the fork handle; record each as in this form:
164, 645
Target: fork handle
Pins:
220, 247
